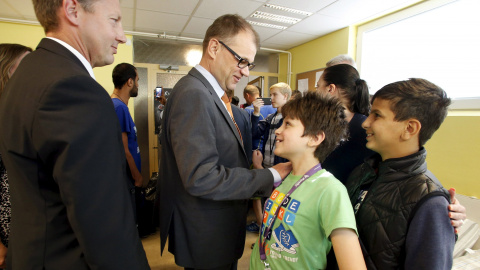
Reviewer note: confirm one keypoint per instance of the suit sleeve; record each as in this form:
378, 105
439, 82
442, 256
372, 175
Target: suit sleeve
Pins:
430, 238
204, 156
76, 132
258, 126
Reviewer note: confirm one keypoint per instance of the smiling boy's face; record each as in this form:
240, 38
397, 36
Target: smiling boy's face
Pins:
290, 142
383, 131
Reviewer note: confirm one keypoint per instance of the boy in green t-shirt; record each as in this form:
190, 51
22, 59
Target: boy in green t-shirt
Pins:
310, 211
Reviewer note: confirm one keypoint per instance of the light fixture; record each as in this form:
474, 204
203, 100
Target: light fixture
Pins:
275, 17
194, 57
269, 25
291, 10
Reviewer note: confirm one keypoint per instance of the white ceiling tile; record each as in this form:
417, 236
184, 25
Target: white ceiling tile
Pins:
127, 18
353, 10
290, 39
275, 46
305, 5
159, 22
127, 3
318, 25
198, 26
213, 9
265, 32
181, 7
18, 9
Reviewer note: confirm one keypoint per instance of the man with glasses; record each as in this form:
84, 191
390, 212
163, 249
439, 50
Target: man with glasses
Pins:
204, 166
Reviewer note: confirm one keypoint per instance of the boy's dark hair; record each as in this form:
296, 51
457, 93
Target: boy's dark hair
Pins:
122, 73
418, 99
319, 113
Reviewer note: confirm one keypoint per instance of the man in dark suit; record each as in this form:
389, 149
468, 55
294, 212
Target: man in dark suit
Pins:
62, 145
204, 173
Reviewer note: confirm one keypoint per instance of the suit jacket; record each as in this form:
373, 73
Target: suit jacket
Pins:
242, 118
62, 146
204, 178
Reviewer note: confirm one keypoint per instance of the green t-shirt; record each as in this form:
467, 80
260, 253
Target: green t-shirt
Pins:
300, 234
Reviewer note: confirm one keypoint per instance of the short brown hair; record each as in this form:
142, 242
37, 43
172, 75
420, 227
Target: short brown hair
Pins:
251, 90
9, 54
418, 99
46, 11
226, 27
319, 113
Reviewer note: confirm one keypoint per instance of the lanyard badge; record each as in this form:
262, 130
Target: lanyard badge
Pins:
268, 228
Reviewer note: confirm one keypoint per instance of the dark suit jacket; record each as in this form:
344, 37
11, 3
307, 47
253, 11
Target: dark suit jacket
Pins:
242, 118
61, 142
204, 178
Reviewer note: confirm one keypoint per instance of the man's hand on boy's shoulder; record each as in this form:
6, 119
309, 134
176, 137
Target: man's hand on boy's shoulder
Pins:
283, 169
456, 211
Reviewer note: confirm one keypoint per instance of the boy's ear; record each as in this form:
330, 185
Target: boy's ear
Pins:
412, 129
316, 140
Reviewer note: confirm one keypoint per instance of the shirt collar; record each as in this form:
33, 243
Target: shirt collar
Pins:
82, 59
213, 82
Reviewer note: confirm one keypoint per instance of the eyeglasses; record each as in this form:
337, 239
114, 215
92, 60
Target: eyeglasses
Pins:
242, 63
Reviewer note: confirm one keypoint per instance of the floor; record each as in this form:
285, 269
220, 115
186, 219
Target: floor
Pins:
151, 244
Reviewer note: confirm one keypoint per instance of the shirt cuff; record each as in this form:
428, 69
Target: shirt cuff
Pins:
276, 176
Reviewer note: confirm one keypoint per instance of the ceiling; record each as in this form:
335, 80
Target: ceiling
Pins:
191, 18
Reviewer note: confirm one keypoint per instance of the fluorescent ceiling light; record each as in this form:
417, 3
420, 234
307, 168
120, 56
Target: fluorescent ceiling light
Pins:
291, 10
268, 25
275, 17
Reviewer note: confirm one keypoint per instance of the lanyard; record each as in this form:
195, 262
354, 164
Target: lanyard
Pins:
268, 229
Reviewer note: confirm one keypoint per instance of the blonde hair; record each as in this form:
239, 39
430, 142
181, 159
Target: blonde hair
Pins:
283, 88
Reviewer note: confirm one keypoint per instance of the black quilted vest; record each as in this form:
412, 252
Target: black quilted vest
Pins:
395, 191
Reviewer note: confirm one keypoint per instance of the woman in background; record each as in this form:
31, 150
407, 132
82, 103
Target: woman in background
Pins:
343, 82
10, 57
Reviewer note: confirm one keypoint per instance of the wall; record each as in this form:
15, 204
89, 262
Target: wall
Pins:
30, 35
314, 54
453, 151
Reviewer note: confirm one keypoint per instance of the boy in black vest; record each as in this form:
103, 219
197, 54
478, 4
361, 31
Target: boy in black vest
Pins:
400, 207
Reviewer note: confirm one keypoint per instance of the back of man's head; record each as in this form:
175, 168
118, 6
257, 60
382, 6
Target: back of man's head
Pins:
342, 59
226, 27
319, 113
47, 12
122, 73
418, 99
252, 90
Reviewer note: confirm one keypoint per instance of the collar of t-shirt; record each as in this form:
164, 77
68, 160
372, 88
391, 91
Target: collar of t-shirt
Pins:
80, 57
213, 82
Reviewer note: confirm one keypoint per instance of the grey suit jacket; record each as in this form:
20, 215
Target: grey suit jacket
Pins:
61, 143
205, 179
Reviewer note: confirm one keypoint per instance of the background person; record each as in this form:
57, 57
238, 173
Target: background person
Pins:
10, 57
61, 142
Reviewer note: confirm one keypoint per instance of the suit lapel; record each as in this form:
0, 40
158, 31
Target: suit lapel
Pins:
220, 106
